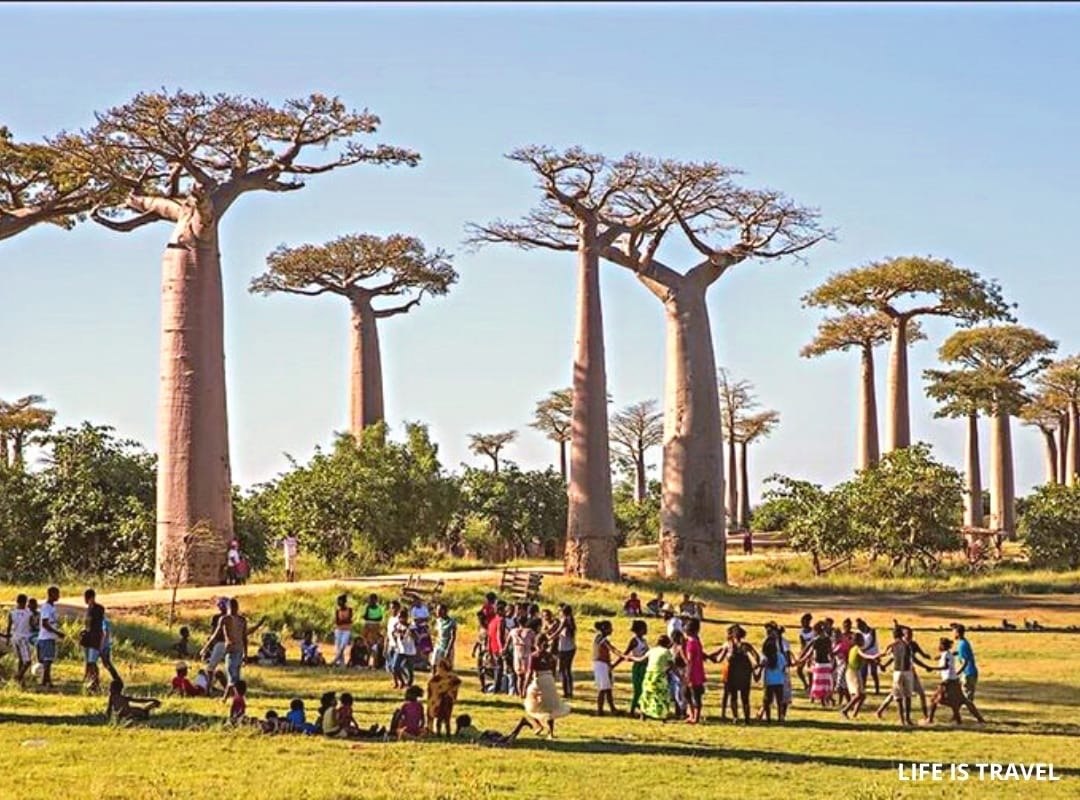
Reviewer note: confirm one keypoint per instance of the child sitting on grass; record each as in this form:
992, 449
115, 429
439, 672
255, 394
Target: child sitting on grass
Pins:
298, 719
469, 733
182, 649
344, 725
408, 721
182, 685
238, 707
309, 652
359, 655
125, 707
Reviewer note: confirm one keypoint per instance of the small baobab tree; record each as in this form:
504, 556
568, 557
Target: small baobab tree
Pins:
1060, 387
736, 400
1004, 356
750, 429
37, 185
490, 445
580, 211
635, 430
185, 159
725, 224
904, 289
552, 418
19, 421
1042, 413
965, 393
863, 331
365, 270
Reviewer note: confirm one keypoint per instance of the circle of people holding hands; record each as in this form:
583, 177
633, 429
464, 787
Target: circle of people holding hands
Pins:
528, 652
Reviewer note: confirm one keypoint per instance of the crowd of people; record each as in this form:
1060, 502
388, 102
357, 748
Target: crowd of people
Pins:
528, 652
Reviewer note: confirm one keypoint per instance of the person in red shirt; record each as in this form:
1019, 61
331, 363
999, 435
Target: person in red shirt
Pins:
496, 643
488, 609
238, 707
632, 607
182, 685
695, 670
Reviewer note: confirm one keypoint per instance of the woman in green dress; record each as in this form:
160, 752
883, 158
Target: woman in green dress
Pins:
655, 692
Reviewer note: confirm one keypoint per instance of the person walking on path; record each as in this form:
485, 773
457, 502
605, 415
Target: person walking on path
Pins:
290, 546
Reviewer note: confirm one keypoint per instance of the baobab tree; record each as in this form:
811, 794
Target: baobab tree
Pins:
736, 400
365, 270
38, 185
725, 224
490, 445
1042, 413
1004, 356
185, 159
749, 430
581, 211
1060, 385
19, 421
552, 417
964, 394
930, 287
864, 331
635, 430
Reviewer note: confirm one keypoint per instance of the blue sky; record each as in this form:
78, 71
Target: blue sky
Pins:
944, 130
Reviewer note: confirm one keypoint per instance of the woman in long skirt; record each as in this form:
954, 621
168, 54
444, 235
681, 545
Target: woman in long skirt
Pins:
656, 691
543, 705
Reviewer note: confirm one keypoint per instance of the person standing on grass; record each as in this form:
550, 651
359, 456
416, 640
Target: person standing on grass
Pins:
916, 651
969, 673
95, 643
819, 650
949, 692
496, 640
233, 630
213, 652
741, 658
445, 629
677, 674
899, 655
854, 677
290, 546
48, 635
523, 640
870, 645
18, 636
406, 647
695, 670
372, 617
542, 702
773, 669
635, 652
806, 635
656, 692
565, 637
343, 619
602, 666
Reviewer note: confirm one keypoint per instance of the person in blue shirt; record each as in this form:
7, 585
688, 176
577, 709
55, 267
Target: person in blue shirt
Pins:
298, 720
969, 672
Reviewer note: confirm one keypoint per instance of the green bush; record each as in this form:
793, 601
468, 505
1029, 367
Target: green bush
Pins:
1050, 527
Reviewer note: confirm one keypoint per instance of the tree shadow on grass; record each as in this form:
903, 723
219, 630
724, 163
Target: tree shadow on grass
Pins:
168, 721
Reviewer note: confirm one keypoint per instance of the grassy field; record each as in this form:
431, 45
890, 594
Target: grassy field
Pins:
1029, 691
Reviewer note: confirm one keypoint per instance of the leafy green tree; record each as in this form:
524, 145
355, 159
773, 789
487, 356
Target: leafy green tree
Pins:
817, 521
637, 521
904, 289
22, 517
907, 507
509, 510
552, 417
1004, 356
1050, 526
365, 270
98, 495
364, 502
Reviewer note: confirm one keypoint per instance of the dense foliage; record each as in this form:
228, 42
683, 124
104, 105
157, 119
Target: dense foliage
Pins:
637, 523
1050, 526
816, 521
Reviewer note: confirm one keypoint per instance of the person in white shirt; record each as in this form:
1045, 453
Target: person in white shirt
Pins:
673, 623
291, 547
949, 692
18, 636
232, 562
48, 635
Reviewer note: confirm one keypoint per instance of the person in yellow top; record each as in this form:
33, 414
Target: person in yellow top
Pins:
343, 619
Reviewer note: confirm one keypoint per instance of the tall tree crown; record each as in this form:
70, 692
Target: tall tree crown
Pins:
552, 415
162, 152
1061, 381
757, 426
964, 392
855, 329
490, 444
913, 286
345, 265
736, 399
637, 428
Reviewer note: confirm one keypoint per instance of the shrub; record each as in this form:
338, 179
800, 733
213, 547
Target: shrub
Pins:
1050, 527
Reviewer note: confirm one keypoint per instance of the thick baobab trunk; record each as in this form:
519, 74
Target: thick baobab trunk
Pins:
898, 429
869, 453
1002, 486
193, 480
742, 518
1063, 448
731, 493
1072, 458
562, 460
973, 501
692, 506
1051, 455
640, 486
365, 373
590, 525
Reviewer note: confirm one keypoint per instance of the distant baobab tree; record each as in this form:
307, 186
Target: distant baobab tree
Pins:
184, 159
490, 445
1042, 413
19, 421
750, 429
736, 400
931, 287
635, 430
1060, 385
363, 269
552, 417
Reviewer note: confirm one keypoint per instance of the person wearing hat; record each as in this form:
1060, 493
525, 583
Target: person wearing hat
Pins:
181, 685
674, 624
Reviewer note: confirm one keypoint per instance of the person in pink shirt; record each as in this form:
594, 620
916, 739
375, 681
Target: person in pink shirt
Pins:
695, 670
409, 721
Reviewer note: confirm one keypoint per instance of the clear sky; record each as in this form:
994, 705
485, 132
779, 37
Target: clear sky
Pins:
949, 130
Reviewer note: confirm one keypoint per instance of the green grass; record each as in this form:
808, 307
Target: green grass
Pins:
1029, 690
